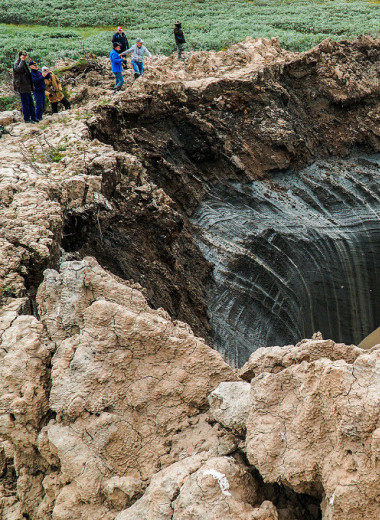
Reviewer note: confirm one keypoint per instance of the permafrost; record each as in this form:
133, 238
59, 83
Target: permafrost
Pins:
294, 254
104, 411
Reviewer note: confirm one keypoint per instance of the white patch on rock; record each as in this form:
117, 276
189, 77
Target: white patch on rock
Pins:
222, 480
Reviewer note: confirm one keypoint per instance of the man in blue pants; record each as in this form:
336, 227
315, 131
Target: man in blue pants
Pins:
138, 50
39, 89
117, 66
23, 84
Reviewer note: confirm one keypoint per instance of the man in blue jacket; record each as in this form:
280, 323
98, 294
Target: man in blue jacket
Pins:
39, 89
117, 66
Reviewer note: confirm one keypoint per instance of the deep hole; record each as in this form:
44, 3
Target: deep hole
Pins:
294, 255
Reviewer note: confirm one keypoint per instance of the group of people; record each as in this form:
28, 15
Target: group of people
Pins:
121, 49
28, 80
118, 60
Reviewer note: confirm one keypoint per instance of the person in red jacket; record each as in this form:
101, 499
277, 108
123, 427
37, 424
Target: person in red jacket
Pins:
120, 38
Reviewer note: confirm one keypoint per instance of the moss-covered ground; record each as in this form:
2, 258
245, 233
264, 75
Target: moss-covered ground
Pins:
53, 29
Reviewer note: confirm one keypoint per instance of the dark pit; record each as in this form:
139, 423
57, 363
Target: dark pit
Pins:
293, 255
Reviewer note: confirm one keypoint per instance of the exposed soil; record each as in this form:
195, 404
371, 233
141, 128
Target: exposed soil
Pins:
276, 112
125, 393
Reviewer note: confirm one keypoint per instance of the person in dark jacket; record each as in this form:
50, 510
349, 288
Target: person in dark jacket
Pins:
23, 84
120, 37
117, 66
179, 38
39, 89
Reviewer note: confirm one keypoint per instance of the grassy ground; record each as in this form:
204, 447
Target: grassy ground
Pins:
73, 27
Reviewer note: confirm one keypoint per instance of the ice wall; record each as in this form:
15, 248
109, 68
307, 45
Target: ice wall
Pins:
294, 254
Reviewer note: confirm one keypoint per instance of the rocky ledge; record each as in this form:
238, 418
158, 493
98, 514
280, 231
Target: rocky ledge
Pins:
111, 408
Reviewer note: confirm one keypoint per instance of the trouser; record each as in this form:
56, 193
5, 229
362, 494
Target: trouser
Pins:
180, 47
39, 97
119, 80
28, 107
138, 67
65, 102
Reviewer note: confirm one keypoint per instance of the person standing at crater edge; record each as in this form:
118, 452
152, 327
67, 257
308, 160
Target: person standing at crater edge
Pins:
138, 50
23, 84
39, 89
179, 38
120, 37
117, 66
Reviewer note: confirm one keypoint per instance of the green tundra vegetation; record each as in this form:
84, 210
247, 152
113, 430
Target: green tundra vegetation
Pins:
53, 29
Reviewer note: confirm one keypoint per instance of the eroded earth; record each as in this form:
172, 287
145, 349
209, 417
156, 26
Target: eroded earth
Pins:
114, 401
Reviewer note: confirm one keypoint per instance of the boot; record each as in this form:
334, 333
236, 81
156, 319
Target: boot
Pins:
137, 75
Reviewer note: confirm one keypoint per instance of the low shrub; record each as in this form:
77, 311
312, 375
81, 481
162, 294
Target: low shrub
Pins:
71, 28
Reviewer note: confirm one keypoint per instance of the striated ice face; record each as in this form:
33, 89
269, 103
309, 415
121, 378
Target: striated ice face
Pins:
294, 254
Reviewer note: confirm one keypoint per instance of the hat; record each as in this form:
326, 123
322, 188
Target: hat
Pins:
139, 40
177, 22
116, 44
32, 63
119, 28
44, 69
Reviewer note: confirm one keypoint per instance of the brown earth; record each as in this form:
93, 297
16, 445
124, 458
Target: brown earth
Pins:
239, 114
103, 409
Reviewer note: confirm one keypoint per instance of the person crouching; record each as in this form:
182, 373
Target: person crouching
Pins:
39, 89
54, 90
117, 66
138, 50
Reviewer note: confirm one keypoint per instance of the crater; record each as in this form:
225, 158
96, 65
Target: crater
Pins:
252, 250
292, 255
